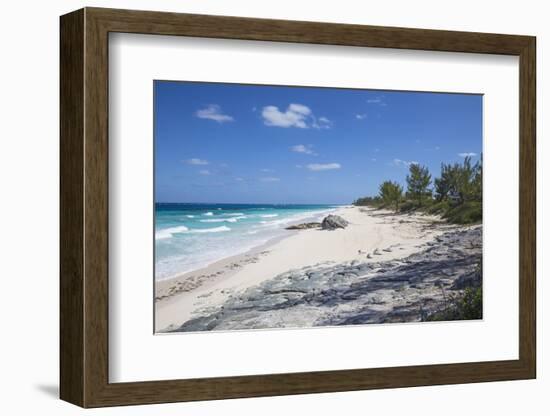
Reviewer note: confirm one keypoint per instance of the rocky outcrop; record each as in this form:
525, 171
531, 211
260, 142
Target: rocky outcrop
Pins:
332, 222
356, 292
304, 226
472, 279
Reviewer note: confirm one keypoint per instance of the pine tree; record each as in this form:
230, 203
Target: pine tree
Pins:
418, 181
462, 181
444, 184
391, 193
477, 183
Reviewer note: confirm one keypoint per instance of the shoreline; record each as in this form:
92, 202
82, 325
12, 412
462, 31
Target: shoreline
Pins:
185, 281
378, 234
206, 275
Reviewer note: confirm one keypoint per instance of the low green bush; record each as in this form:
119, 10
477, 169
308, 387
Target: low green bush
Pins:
407, 206
465, 307
467, 213
438, 208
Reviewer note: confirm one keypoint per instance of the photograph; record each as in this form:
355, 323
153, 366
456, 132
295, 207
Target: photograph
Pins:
271, 204
293, 207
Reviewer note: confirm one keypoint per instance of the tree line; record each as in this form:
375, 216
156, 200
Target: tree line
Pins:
456, 194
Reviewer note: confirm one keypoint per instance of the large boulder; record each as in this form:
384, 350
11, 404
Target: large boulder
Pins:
333, 222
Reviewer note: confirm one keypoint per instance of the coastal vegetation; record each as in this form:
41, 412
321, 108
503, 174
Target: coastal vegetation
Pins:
465, 306
456, 194
418, 183
391, 193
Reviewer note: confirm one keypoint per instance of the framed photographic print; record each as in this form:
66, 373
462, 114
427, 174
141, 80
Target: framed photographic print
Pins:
257, 207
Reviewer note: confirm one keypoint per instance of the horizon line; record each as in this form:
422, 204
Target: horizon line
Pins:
250, 203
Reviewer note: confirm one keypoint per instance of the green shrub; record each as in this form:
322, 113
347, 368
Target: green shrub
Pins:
438, 208
369, 201
471, 303
366, 201
408, 206
391, 193
467, 213
465, 307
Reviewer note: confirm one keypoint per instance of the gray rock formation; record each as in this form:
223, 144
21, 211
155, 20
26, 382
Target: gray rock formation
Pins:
304, 226
400, 290
333, 222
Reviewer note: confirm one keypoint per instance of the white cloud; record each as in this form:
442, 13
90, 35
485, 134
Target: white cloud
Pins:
360, 116
266, 170
239, 179
407, 163
326, 166
467, 154
301, 148
300, 108
197, 161
213, 112
270, 179
377, 101
296, 115
205, 172
322, 123
373, 159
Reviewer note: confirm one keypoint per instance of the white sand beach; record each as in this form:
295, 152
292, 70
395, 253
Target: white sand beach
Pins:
372, 236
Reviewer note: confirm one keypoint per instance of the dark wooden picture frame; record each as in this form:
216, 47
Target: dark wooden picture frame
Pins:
84, 207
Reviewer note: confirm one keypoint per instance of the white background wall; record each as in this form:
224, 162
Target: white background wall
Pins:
29, 171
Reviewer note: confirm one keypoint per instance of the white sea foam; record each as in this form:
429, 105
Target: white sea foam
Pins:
205, 246
295, 218
212, 230
219, 220
169, 232
190, 216
234, 219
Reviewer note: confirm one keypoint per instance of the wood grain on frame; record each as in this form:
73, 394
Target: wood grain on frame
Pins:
84, 207
71, 219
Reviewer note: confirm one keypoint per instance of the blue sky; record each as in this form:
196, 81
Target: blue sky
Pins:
233, 143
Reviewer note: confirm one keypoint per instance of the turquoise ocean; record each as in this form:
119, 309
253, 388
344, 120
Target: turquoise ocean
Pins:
191, 236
